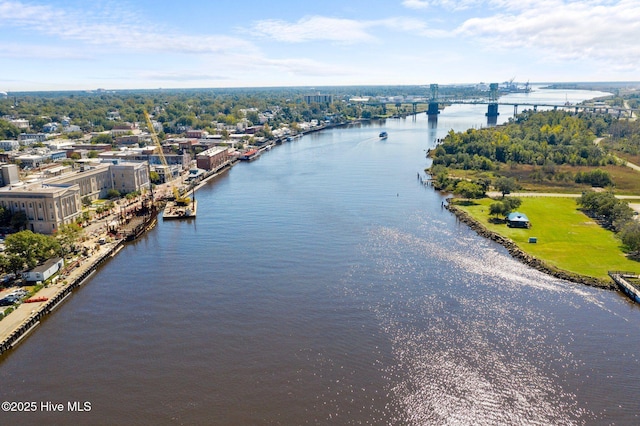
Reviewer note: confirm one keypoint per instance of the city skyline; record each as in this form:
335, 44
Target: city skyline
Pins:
124, 44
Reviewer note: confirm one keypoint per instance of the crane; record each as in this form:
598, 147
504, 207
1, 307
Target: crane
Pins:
176, 193
155, 140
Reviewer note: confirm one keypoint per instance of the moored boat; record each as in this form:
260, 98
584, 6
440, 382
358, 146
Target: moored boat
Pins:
249, 155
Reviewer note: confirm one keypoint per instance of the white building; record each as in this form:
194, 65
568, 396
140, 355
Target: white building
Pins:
20, 123
9, 145
44, 271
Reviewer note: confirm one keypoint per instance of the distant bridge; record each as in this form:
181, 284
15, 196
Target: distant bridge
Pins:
590, 107
435, 103
492, 106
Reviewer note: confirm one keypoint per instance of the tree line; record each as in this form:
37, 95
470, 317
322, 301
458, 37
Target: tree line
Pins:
533, 138
613, 214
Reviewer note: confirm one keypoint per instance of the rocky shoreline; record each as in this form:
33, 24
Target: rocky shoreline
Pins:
525, 258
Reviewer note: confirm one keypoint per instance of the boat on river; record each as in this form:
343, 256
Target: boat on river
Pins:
249, 155
383, 135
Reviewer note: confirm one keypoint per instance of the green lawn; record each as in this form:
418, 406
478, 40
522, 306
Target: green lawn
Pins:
567, 238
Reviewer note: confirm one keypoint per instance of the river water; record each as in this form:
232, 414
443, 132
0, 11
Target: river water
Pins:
323, 284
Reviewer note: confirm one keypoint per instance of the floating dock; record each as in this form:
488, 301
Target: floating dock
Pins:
175, 210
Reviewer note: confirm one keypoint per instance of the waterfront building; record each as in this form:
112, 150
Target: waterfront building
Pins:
129, 177
56, 201
212, 158
44, 271
46, 206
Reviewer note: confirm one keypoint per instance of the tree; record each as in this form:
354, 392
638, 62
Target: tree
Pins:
506, 185
113, 193
26, 248
505, 206
67, 235
105, 138
154, 177
630, 235
468, 190
19, 220
8, 130
497, 209
511, 204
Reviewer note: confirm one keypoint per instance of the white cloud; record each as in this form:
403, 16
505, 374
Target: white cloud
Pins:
416, 4
597, 30
103, 28
344, 31
179, 76
314, 28
27, 51
445, 4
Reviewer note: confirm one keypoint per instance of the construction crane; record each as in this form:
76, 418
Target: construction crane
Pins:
156, 141
176, 193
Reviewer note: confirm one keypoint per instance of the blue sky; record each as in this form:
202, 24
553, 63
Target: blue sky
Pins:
128, 44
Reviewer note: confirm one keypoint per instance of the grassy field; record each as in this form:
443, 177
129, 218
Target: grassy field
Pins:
627, 180
567, 238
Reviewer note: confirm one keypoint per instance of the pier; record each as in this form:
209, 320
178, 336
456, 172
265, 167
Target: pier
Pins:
622, 279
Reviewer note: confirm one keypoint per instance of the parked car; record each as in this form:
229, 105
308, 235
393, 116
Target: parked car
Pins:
9, 300
19, 293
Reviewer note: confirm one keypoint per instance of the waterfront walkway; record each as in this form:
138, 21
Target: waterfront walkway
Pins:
26, 316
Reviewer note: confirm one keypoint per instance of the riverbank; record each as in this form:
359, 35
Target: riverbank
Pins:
27, 316
518, 253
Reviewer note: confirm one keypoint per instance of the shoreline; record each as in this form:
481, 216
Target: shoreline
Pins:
519, 254
58, 294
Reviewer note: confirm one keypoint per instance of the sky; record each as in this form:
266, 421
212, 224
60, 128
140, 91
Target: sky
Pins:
145, 44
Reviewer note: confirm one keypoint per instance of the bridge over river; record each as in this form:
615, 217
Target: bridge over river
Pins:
435, 104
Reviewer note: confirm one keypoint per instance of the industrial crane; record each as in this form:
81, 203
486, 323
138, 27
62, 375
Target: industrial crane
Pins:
156, 141
176, 193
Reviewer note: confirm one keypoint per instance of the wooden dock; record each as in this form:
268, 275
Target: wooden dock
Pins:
621, 278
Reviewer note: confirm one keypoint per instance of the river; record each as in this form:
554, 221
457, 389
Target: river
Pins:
323, 284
